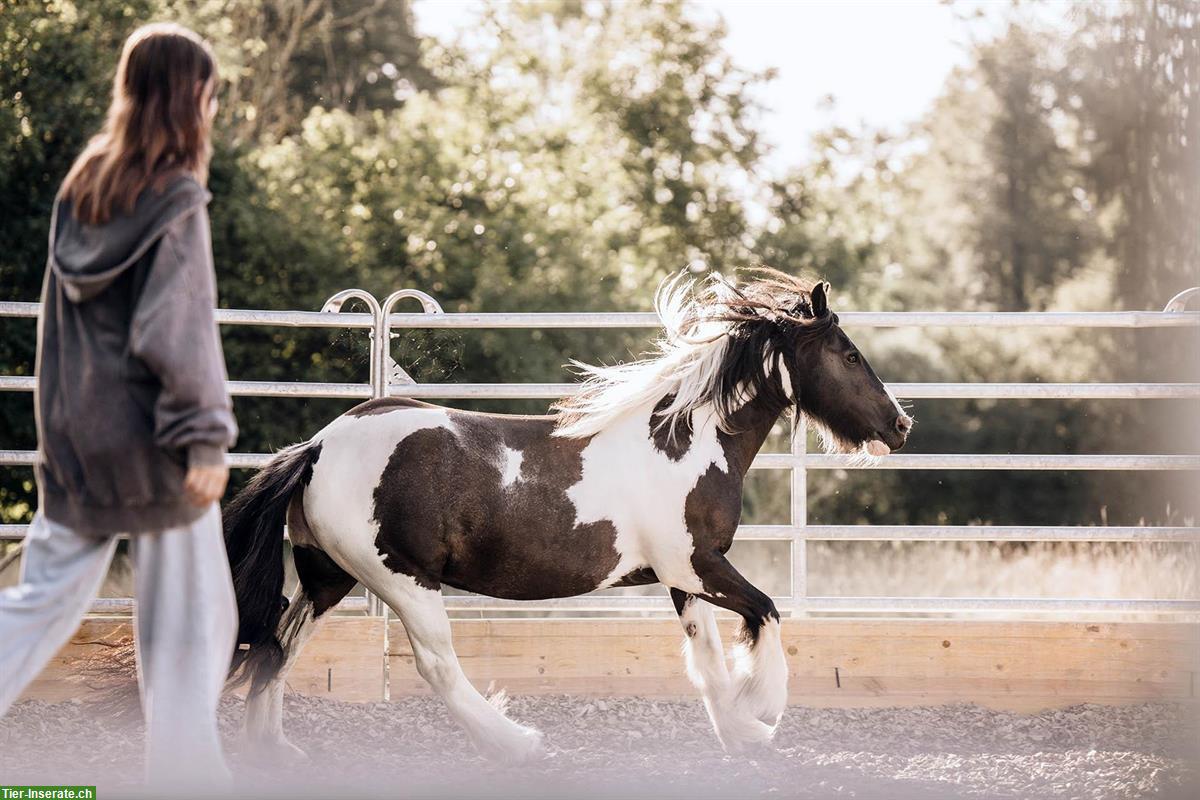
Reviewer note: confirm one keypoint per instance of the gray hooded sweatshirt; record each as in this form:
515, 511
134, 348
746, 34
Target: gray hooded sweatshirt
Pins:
130, 375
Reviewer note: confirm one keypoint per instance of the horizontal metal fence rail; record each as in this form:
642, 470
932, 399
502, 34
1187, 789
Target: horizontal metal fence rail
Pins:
552, 391
1117, 463
918, 533
591, 603
799, 462
646, 319
927, 605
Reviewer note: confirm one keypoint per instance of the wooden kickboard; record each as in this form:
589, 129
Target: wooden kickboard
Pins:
343, 660
1017, 665
1023, 666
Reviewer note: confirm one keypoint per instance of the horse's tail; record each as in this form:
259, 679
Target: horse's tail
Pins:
254, 522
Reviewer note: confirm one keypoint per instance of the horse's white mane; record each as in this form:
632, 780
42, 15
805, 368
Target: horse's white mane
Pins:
690, 353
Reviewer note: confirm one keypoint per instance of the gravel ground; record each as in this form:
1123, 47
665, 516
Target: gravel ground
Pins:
622, 747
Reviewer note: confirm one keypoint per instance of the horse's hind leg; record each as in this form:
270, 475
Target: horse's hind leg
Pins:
424, 616
322, 585
262, 725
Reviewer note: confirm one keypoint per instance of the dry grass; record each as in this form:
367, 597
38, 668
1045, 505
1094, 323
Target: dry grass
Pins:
931, 569
992, 569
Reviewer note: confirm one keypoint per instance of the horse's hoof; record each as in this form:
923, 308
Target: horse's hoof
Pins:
752, 749
526, 746
534, 746
744, 735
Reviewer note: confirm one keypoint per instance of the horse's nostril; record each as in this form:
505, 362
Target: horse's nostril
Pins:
904, 423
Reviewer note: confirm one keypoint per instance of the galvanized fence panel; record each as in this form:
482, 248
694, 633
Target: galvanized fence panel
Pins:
381, 320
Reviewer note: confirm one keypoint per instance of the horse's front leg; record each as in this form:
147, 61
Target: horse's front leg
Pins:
746, 705
705, 658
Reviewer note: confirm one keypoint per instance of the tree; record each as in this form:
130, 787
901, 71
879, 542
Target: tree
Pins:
532, 173
543, 175
280, 58
1134, 85
984, 203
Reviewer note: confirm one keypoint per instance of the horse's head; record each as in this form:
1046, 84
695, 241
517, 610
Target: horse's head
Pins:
833, 382
772, 340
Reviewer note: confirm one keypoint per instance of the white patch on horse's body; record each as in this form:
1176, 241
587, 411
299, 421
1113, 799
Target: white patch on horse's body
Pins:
784, 376
340, 499
340, 506
510, 470
646, 512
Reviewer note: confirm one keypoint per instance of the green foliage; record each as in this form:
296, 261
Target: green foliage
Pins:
567, 156
1133, 85
279, 58
993, 201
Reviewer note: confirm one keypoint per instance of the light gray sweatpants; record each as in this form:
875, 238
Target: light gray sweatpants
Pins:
185, 621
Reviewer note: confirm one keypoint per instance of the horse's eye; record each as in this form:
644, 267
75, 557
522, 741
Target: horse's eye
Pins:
852, 358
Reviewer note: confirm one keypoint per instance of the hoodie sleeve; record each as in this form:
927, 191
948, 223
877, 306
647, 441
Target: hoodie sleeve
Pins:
174, 333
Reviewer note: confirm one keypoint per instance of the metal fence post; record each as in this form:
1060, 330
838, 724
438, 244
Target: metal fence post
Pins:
384, 356
799, 514
380, 358
378, 379
1179, 302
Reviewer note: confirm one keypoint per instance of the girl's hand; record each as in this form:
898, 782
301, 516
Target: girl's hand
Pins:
204, 485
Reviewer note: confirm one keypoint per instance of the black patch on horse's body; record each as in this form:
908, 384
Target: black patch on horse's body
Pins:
680, 600
314, 453
713, 507
446, 516
323, 580
675, 438
642, 576
712, 511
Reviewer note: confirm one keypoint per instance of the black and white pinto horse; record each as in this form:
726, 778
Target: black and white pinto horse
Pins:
636, 480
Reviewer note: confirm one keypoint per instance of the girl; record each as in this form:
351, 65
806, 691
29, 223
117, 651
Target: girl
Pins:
133, 417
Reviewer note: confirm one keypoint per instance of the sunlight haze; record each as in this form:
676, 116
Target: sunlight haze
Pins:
882, 63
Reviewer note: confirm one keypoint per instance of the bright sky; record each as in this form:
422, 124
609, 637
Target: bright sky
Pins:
883, 61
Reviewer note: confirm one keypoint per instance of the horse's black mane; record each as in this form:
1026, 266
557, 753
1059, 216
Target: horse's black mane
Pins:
723, 344
769, 317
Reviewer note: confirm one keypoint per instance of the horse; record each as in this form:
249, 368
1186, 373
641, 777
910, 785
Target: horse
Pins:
636, 479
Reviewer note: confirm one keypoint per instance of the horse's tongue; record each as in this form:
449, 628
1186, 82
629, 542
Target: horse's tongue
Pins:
878, 448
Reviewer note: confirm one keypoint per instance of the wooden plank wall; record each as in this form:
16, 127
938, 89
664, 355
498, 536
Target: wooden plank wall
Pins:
1022, 666
343, 661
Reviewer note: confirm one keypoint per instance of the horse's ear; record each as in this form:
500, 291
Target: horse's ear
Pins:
820, 299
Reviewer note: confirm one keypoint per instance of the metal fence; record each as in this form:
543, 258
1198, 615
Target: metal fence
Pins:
386, 380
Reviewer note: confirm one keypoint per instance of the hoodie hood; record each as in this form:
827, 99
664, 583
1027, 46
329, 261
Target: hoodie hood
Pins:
87, 258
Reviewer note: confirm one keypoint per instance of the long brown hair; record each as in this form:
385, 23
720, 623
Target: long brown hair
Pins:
156, 126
